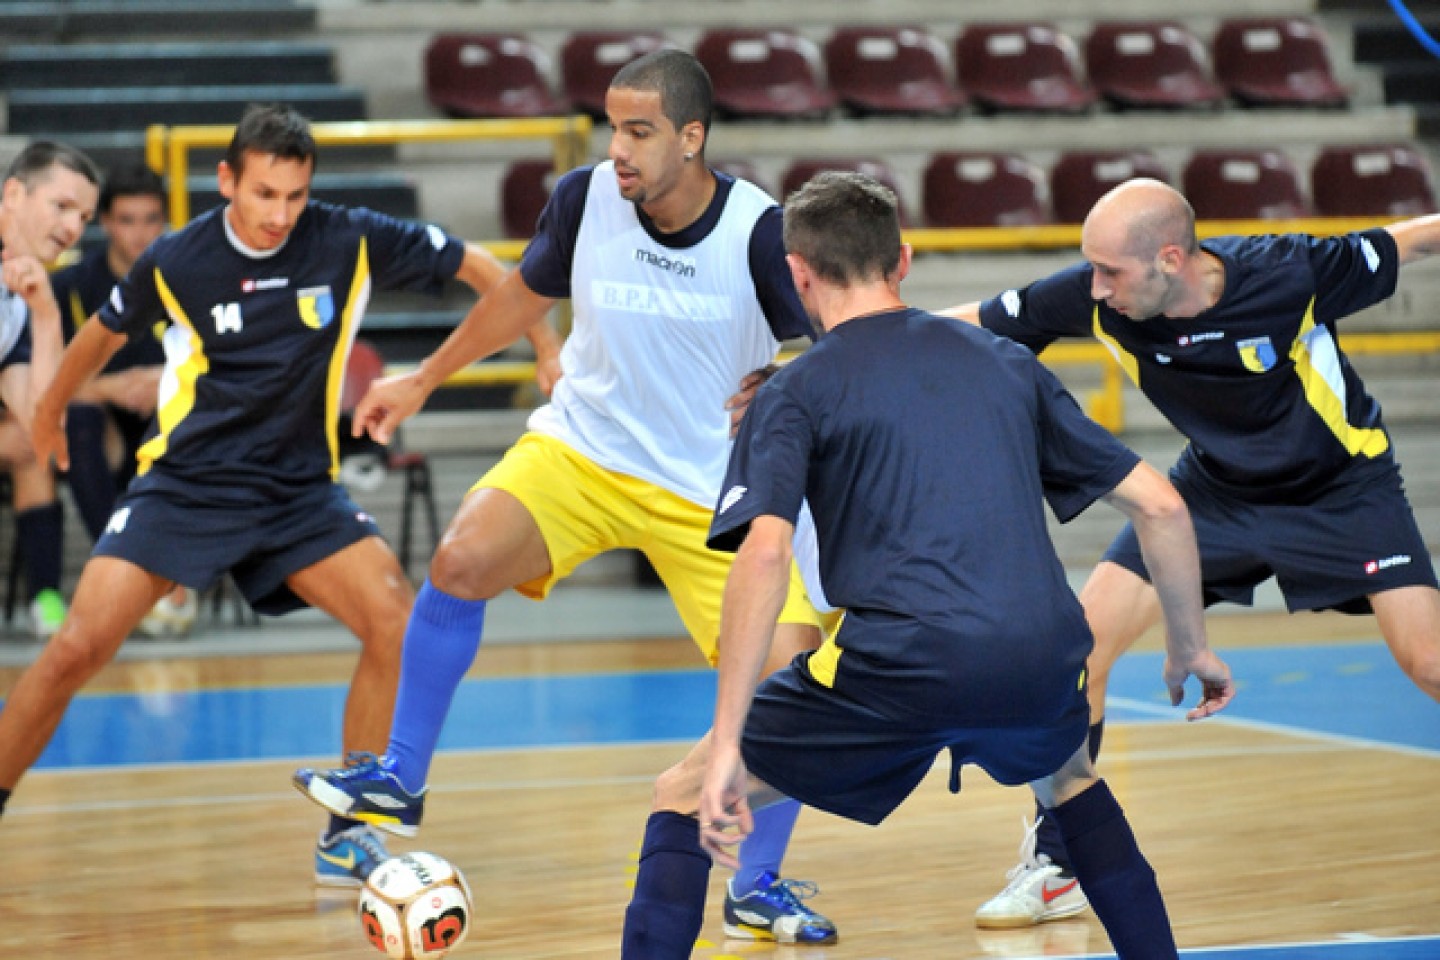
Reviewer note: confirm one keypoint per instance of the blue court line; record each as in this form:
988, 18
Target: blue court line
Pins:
1352, 691
1405, 948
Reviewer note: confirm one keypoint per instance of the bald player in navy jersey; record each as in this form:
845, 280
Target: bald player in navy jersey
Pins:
1289, 472
926, 451
238, 474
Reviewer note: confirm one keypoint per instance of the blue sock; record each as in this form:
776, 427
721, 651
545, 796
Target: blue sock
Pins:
1115, 875
763, 850
1047, 837
441, 641
668, 906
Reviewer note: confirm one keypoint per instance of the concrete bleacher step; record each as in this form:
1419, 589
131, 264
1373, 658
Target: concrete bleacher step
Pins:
52, 67
111, 20
134, 108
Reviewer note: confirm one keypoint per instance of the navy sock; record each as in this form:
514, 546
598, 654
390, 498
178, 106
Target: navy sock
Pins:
42, 536
441, 641
1047, 837
4, 798
338, 825
668, 906
92, 485
763, 850
1115, 875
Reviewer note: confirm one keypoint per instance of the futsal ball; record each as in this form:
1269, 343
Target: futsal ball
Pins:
415, 906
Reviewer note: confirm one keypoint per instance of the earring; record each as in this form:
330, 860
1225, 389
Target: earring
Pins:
689, 157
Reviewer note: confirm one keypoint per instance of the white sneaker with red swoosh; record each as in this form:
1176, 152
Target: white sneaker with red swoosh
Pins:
1037, 891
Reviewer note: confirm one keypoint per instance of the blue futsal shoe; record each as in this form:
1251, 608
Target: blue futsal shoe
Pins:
774, 911
365, 789
347, 858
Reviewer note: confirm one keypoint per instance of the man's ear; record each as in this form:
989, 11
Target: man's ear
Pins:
799, 272
225, 177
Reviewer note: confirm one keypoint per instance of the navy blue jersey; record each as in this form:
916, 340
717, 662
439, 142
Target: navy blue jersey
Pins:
256, 353
927, 449
82, 289
1258, 382
546, 265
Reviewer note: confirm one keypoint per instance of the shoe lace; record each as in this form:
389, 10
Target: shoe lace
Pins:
792, 892
359, 763
1029, 859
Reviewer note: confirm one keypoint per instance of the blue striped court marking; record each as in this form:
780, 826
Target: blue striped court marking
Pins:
1352, 692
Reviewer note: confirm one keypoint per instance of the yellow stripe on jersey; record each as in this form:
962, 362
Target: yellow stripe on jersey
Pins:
1317, 364
175, 407
1122, 356
335, 381
825, 661
77, 310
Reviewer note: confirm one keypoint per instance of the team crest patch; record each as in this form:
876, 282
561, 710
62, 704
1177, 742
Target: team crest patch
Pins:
1257, 353
317, 306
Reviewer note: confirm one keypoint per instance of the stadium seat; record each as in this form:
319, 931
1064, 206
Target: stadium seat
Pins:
589, 60
764, 73
1276, 62
1080, 177
978, 189
799, 172
1021, 66
488, 75
524, 190
1391, 181
1243, 185
890, 70
1150, 64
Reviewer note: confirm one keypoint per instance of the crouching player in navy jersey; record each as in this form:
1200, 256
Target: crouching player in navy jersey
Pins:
1289, 472
677, 277
925, 449
263, 296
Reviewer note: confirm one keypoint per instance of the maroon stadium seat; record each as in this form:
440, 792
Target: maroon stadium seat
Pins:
1021, 66
524, 190
1150, 64
1080, 177
1243, 185
488, 75
978, 189
1276, 62
1391, 181
764, 73
890, 70
589, 60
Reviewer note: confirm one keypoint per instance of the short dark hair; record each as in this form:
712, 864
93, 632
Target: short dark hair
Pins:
845, 225
130, 180
36, 160
686, 95
272, 129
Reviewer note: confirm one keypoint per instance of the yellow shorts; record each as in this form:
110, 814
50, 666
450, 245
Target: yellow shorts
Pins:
583, 510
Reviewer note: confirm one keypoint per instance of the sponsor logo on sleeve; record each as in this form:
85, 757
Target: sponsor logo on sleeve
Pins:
732, 497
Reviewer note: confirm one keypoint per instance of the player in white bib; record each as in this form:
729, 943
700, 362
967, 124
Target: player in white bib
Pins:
679, 285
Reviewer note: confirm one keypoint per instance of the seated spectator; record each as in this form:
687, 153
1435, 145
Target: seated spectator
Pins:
106, 431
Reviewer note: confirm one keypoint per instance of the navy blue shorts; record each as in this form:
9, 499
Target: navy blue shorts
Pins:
194, 543
838, 754
1358, 538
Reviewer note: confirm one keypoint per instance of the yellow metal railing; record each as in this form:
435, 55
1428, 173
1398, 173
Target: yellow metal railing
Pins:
167, 149
1060, 236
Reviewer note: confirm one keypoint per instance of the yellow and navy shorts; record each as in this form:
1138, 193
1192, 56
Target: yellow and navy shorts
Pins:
583, 510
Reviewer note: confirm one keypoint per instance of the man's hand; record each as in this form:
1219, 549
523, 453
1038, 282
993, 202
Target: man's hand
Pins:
725, 817
47, 435
1217, 688
27, 276
740, 401
387, 404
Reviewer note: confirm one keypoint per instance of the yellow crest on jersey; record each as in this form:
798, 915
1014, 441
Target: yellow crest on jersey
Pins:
317, 306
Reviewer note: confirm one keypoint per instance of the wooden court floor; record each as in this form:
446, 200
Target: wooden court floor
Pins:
1259, 836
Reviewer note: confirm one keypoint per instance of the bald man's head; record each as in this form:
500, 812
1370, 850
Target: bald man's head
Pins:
1139, 217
